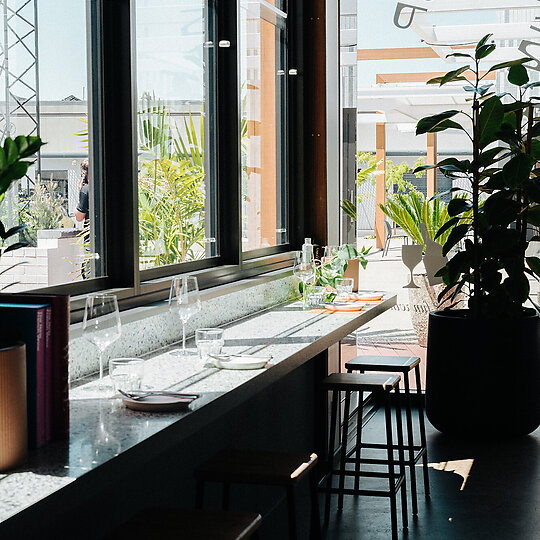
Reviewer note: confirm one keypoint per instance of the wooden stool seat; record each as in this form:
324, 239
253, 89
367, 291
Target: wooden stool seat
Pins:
354, 382
261, 468
402, 364
264, 469
179, 524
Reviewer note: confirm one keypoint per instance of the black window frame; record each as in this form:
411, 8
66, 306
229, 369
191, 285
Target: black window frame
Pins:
113, 104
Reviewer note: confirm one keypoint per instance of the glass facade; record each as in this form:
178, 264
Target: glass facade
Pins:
176, 131
263, 87
44, 84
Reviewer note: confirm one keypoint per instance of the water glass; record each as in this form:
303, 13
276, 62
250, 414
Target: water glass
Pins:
126, 373
209, 341
344, 287
315, 295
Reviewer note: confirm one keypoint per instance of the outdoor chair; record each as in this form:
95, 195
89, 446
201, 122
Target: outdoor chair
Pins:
391, 233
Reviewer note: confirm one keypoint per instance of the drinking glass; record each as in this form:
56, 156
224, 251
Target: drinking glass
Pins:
126, 373
315, 295
101, 324
411, 256
304, 271
344, 287
329, 253
209, 341
184, 299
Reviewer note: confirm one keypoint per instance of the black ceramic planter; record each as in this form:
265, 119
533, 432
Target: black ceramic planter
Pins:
483, 377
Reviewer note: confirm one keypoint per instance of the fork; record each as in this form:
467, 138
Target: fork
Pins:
142, 394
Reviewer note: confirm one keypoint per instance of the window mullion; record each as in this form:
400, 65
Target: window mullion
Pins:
120, 143
229, 159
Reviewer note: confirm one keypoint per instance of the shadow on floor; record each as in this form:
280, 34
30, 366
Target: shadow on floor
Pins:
478, 491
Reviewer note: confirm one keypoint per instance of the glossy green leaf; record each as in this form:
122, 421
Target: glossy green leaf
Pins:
484, 50
427, 124
457, 206
510, 63
456, 234
491, 117
534, 264
518, 75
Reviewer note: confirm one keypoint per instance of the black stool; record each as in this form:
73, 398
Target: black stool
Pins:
404, 365
172, 523
381, 386
262, 468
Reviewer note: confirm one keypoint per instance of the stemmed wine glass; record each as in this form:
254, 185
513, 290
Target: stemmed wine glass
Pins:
304, 270
101, 324
185, 300
411, 255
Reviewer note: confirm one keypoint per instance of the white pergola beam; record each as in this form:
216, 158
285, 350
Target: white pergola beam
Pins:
450, 6
473, 32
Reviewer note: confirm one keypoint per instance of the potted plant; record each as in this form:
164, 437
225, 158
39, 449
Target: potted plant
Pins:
13, 434
483, 365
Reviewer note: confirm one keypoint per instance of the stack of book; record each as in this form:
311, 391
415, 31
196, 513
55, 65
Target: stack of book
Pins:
41, 321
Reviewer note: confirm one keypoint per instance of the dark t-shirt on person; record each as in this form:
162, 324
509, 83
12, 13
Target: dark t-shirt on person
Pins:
83, 207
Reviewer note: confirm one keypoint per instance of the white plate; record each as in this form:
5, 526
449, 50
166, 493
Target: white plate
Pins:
157, 403
241, 361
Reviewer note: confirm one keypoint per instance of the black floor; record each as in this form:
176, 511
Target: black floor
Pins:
498, 500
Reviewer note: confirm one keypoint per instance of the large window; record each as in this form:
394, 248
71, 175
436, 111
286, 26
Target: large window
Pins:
176, 131
263, 75
166, 125
44, 76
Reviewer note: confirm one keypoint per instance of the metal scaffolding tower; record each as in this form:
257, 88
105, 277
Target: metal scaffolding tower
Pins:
19, 82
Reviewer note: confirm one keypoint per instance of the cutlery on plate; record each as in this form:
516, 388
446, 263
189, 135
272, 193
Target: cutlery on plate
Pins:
143, 394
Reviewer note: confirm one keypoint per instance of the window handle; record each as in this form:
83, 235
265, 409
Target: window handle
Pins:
225, 43
208, 44
293, 71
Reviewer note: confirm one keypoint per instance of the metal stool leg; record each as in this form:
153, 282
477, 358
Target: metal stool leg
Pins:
391, 478
401, 454
292, 512
422, 432
410, 442
331, 445
315, 532
358, 453
343, 462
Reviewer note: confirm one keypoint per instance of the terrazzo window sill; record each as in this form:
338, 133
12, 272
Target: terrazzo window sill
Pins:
156, 308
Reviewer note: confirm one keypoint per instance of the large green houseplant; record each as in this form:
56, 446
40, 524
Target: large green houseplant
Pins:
483, 365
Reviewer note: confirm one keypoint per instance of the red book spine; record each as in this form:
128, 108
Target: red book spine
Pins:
60, 364
40, 376
48, 375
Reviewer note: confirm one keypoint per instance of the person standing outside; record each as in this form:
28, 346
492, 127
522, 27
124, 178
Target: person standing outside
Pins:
82, 212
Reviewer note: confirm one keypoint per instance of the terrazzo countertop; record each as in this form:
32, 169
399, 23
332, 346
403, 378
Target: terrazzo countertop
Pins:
103, 428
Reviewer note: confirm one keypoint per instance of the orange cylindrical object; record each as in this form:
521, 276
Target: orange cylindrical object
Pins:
13, 423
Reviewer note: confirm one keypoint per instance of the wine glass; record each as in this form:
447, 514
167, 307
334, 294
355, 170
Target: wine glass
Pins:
330, 253
411, 256
304, 270
184, 299
101, 324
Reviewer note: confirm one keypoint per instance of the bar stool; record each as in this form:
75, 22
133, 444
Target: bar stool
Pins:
404, 365
381, 386
189, 525
263, 468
